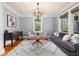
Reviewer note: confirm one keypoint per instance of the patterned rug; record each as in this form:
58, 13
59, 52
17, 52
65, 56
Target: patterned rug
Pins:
25, 48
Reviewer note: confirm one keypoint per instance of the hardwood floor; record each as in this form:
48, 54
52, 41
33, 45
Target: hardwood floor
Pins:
8, 48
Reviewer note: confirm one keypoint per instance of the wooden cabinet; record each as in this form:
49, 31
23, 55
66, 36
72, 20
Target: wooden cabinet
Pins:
8, 36
14, 35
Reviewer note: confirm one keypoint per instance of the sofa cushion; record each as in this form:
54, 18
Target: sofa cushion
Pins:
75, 38
62, 34
66, 45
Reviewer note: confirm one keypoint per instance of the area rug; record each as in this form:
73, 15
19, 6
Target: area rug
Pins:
25, 48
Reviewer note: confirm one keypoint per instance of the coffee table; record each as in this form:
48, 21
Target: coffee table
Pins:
38, 38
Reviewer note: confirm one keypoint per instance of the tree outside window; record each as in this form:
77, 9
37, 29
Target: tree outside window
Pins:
37, 25
64, 23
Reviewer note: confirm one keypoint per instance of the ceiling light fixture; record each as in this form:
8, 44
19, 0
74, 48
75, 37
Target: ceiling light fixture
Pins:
38, 13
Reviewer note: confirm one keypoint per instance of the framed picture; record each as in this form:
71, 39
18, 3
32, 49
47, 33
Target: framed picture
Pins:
11, 21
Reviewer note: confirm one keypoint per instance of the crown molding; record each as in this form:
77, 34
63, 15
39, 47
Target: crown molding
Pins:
11, 9
34, 16
66, 8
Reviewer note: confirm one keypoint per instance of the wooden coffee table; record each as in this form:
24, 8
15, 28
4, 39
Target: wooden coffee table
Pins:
38, 38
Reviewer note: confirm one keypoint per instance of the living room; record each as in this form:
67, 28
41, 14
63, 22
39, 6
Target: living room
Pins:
41, 28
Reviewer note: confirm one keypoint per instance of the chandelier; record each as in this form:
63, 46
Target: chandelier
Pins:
38, 13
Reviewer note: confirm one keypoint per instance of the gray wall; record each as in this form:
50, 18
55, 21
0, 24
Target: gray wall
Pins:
48, 24
55, 24
27, 24
9, 12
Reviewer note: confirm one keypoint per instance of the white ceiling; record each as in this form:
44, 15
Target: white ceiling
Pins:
27, 8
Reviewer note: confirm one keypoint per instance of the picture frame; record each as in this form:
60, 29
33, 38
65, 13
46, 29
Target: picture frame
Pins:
11, 21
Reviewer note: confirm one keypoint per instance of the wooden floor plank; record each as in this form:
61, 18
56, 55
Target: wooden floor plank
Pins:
8, 48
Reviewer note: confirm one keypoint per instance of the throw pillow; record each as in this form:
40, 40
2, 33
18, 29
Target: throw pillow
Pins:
56, 34
75, 38
66, 38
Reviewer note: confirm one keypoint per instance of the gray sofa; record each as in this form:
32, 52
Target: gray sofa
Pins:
68, 47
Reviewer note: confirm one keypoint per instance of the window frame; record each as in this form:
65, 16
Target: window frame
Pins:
63, 18
34, 25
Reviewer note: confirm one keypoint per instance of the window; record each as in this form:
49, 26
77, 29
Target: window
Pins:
64, 23
75, 12
37, 24
76, 21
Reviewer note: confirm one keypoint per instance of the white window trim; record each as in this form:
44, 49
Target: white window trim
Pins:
34, 25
